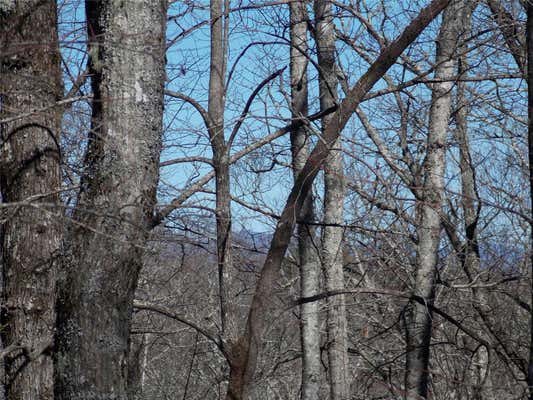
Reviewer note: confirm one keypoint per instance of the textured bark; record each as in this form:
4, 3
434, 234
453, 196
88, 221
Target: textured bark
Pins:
30, 79
116, 200
309, 266
332, 242
245, 350
419, 329
135, 368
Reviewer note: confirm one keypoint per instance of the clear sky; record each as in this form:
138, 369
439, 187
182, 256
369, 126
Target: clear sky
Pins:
264, 33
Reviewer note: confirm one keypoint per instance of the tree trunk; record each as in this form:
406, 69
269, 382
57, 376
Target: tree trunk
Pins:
116, 200
332, 242
221, 164
483, 388
514, 39
30, 79
419, 329
245, 350
135, 368
309, 267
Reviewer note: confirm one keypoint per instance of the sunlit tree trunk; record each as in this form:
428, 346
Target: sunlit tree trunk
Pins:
30, 80
307, 246
419, 330
332, 242
116, 200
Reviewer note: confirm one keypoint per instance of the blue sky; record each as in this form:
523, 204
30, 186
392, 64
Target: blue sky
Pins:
266, 30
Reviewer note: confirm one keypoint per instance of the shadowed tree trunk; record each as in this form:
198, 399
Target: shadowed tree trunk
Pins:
246, 350
135, 368
471, 260
116, 200
429, 228
514, 40
221, 165
30, 79
332, 242
309, 267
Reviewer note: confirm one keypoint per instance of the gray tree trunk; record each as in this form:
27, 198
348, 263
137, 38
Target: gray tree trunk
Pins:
332, 241
30, 79
135, 368
512, 36
419, 329
116, 200
221, 164
307, 246
483, 388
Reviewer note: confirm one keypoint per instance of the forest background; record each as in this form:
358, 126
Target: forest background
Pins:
280, 199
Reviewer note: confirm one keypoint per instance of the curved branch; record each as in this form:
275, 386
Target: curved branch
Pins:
404, 295
186, 160
201, 110
249, 104
146, 306
241, 55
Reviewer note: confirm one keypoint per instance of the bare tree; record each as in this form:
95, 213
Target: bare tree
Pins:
30, 179
116, 200
245, 351
509, 28
469, 251
332, 242
429, 225
453, 204
221, 163
307, 246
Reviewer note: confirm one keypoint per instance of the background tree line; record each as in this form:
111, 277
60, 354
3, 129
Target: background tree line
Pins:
275, 199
